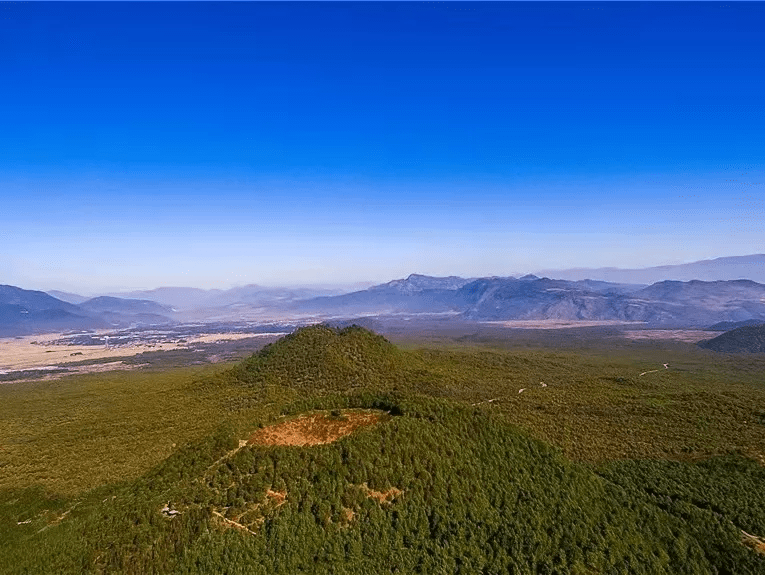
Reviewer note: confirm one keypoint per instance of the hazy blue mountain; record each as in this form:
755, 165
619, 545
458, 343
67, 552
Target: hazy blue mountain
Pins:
666, 303
699, 302
670, 303
124, 312
123, 305
173, 297
697, 290
28, 311
68, 297
382, 302
416, 283
414, 294
608, 287
185, 299
532, 298
259, 296
498, 299
750, 267
749, 339
510, 298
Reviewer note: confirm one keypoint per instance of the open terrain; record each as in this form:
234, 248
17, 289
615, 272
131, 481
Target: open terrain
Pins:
484, 449
53, 355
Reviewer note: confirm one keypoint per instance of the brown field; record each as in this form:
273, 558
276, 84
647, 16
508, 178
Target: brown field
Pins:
50, 351
686, 335
315, 428
559, 323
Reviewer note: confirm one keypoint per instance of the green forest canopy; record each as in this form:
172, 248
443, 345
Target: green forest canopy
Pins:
461, 488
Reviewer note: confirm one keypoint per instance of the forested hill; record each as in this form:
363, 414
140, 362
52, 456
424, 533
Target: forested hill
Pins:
322, 358
364, 471
750, 339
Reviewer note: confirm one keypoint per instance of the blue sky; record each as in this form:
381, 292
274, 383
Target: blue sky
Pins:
212, 145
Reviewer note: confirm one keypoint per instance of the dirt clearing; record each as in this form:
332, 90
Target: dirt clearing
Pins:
381, 496
316, 427
754, 542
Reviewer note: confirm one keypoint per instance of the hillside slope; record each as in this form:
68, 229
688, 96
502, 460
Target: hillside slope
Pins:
122, 311
434, 489
29, 311
749, 339
427, 486
322, 358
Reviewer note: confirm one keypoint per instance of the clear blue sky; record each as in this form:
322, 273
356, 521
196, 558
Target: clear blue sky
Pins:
206, 144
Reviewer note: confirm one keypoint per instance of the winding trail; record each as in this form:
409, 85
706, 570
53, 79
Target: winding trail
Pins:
242, 443
666, 366
233, 523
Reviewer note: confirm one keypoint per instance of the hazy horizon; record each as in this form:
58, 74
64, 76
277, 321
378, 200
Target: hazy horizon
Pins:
565, 273
214, 145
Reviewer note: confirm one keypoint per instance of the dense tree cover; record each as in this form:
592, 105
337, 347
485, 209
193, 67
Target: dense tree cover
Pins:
322, 358
717, 498
437, 487
463, 492
87, 430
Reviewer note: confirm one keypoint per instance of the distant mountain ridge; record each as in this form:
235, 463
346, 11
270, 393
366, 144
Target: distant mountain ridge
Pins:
417, 283
750, 267
121, 311
413, 294
674, 303
114, 304
729, 325
29, 311
68, 297
185, 298
170, 296
669, 302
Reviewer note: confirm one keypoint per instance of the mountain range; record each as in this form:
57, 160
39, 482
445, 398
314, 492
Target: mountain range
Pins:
718, 303
27, 311
187, 299
668, 303
750, 267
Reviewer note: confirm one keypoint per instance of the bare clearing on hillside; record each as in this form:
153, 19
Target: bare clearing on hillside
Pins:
386, 496
754, 542
316, 428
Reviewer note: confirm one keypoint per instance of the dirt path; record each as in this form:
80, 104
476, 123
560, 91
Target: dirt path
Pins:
242, 443
232, 523
665, 365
